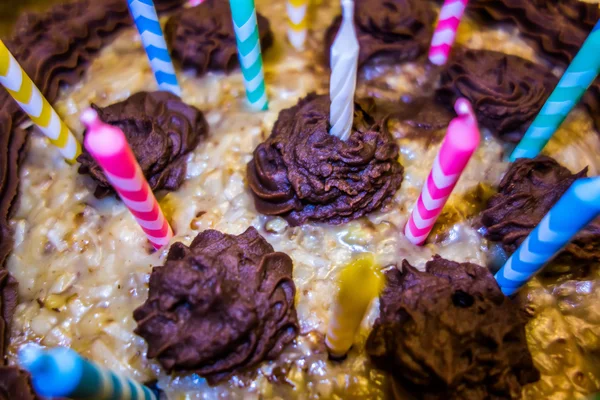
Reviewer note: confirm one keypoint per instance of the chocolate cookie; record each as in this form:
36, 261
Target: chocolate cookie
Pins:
527, 192
400, 30
507, 92
303, 173
450, 333
203, 38
161, 131
220, 306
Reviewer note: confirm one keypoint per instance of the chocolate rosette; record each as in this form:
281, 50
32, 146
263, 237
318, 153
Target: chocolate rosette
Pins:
397, 29
203, 38
56, 47
220, 306
507, 92
450, 333
302, 173
161, 131
557, 27
527, 192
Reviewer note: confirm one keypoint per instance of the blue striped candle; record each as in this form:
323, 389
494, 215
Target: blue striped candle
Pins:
146, 21
61, 372
571, 87
248, 46
573, 211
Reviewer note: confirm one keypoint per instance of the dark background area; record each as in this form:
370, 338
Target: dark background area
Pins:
10, 9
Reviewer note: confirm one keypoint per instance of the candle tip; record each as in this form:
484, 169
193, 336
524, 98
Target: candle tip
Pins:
90, 118
463, 108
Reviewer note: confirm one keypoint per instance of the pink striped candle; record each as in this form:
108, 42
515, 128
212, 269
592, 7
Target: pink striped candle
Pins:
461, 141
194, 3
445, 31
108, 145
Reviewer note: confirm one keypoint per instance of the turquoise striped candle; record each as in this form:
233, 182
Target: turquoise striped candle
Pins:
248, 45
146, 20
574, 210
61, 372
571, 87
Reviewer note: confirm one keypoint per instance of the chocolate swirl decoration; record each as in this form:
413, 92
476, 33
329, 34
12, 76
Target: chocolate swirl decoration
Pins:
57, 46
526, 193
450, 333
399, 30
220, 306
302, 173
557, 27
506, 91
161, 131
202, 37
15, 384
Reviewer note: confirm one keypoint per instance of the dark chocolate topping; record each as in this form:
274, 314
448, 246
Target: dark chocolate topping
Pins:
15, 384
55, 47
168, 5
12, 146
450, 333
557, 27
527, 192
398, 29
8, 304
506, 91
302, 173
220, 306
161, 130
203, 38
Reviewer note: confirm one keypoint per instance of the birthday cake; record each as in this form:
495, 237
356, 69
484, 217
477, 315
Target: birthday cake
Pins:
267, 207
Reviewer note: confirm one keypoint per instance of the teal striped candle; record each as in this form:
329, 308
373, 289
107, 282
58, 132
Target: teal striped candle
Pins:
248, 45
61, 372
571, 87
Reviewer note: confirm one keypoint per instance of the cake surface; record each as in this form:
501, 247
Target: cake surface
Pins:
83, 265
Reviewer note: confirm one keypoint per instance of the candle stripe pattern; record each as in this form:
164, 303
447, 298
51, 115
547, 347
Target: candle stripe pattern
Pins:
584, 68
445, 33
61, 372
146, 21
32, 101
575, 209
297, 22
461, 141
249, 53
359, 283
125, 175
344, 67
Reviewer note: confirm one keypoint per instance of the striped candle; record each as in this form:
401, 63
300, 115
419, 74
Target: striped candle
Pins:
445, 32
461, 141
194, 3
153, 40
32, 101
573, 211
344, 67
360, 282
571, 87
61, 372
108, 145
248, 46
297, 24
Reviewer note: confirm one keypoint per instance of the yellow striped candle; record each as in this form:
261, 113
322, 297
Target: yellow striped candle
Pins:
297, 11
33, 102
360, 282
